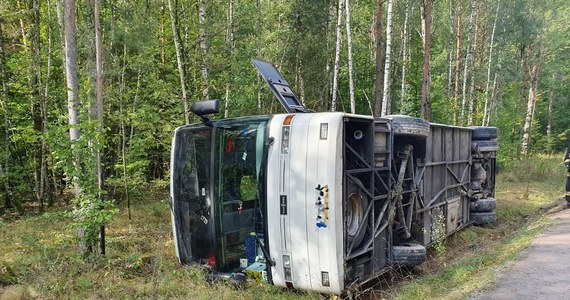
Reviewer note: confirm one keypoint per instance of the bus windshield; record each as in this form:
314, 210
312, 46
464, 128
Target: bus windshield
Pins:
217, 212
239, 223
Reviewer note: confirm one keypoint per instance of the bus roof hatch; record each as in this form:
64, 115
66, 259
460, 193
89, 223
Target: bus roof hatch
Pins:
279, 86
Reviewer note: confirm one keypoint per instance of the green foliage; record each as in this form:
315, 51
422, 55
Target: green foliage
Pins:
91, 209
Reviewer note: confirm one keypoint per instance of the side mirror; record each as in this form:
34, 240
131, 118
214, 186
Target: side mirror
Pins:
205, 108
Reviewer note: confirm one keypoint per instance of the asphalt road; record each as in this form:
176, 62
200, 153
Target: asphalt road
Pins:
542, 271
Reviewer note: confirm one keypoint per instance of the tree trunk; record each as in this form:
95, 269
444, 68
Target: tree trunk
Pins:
99, 109
490, 64
472, 67
468, 62
202, 37
349, 44
44, 177
22, 27
259, 83
493, 102
532, 94
72, 97
379, 65
386, 103
162, 38
426, 78
449, 64
327, 90
403, 108
457, 62
520, 120
549, 114
123, 129
231, 44
36, 95
337, 55
62, 32
9, 198
179, 62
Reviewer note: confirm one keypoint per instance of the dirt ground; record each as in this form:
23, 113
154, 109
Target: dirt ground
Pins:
542, 271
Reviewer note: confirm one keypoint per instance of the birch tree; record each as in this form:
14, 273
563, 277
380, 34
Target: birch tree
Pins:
468, 61
472, 68
203, 47
179, 62
337, 55
36, 96
426, 78
449, 63
404, 61
99, 109
531, 104
490, 59
457, 62
72, 85
386, 105
231, 45
5, 166
379, 65
350, 70
259, 83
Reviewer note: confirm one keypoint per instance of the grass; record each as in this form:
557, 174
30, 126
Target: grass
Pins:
41, 252
39, 257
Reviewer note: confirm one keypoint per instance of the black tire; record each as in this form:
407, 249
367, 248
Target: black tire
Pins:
484, 132
483, 218
409, 126
487, 146
409, 254
484, 205
357, 203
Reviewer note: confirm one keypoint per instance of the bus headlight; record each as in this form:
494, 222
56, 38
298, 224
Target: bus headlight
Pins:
285, 140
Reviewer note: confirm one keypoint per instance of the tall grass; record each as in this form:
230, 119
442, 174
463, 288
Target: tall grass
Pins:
41, 253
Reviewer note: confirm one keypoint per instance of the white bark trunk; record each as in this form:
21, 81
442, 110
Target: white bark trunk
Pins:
490, 62
179, 62
493, 102
71, 70
467, 62
386, 103
349, 44
61, 31
259, 83
203, 48
549, 111
231, 43
403, 108
449, 63
532, 93
472, 69
337, 55
4, 101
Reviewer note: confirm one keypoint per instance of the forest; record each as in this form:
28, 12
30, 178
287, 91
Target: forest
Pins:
92, 90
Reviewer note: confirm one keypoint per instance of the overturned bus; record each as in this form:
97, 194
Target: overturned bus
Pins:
323, 201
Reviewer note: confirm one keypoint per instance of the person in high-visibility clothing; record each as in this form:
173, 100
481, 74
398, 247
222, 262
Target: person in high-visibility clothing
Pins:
567, 162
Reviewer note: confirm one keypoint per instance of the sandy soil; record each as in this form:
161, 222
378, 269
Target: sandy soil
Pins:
542, 271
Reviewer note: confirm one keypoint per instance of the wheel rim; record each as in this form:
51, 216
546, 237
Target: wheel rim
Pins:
354, 213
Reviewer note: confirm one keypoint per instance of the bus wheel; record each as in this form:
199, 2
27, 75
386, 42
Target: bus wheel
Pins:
356, 206
483, 218
409, 254
482, 205
484, 132
409, 126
